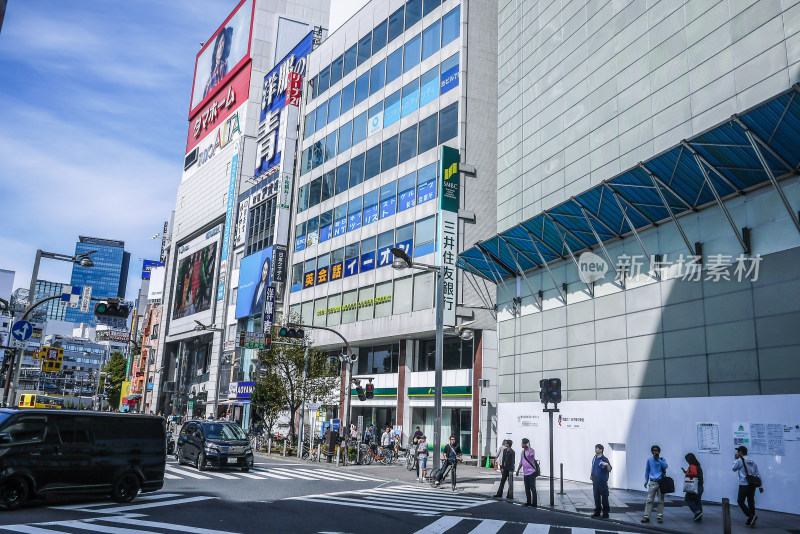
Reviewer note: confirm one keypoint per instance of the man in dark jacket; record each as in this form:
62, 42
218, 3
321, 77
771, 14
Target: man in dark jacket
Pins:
507, 462
599, 476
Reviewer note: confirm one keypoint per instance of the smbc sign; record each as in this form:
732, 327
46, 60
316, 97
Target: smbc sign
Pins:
449, 201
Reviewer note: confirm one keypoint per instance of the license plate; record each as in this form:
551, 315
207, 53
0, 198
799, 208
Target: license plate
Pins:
233, 460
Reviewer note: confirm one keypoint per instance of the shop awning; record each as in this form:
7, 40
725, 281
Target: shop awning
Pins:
753, 149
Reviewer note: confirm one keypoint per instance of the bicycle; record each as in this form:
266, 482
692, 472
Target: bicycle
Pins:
450, 470
371, 456
411, 459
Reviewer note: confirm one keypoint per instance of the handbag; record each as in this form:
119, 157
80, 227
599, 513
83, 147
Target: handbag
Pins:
752, 480
536, 468
665, 483
691, 485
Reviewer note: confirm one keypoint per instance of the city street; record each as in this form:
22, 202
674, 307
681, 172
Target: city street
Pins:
283, 496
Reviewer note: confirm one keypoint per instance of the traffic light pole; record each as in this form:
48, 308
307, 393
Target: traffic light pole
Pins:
550, 412
303, 402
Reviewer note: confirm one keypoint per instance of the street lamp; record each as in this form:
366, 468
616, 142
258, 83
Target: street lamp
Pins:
401, 262
199, 327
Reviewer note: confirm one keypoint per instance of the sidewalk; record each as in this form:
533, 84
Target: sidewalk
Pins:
627, 506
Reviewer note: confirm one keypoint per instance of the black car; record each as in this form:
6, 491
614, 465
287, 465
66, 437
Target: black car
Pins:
49, 452
215, 444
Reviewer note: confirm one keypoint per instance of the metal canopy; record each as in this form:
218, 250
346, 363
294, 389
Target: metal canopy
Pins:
722, 162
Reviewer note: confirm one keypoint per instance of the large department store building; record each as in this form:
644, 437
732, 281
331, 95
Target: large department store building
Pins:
400, 99
662, 137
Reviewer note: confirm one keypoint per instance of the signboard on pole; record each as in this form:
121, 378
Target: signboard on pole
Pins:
71, 296
449, 188
269, 308
254, 340
86, 298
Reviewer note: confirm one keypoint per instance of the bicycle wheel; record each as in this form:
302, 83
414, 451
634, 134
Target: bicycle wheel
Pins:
409, 462
367, 459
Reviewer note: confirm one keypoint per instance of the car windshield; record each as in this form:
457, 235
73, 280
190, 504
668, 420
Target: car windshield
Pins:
223, 431
4, 416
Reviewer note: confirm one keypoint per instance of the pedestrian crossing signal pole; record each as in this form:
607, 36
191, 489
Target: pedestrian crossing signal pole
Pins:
550, 392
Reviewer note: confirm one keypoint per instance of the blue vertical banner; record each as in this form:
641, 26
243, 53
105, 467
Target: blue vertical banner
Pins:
226, 236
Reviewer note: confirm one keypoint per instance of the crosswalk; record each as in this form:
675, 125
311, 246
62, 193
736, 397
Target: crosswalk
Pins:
174, 471
142, 502
109, 525
449, 523
421, 500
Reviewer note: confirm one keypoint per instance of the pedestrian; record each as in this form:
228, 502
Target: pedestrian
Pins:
422, 456
749, 480
507, 470
527, 462
386, 438
601, 467
417, 434
692, 498
368, 435
656, 465
452, 455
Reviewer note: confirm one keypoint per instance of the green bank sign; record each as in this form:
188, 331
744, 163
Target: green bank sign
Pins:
449, 178
447, 391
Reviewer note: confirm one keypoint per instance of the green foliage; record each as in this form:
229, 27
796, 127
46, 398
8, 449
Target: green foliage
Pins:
267, 401
115, 374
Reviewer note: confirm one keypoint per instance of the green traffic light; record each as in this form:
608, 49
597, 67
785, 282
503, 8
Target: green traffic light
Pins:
283, 332
101, 308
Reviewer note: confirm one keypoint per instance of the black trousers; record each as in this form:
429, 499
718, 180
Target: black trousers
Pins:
747, 493
530, 489
506, 474
600, 490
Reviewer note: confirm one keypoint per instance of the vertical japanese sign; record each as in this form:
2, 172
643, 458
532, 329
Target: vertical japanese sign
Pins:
269, 309
294, 88
226, 236
448, 227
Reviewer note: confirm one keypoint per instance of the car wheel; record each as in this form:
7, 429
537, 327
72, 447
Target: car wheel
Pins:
245, 469
13, 493
201, 461
125, 488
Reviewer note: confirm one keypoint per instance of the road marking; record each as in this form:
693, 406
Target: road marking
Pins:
150, 497
220, 475
488, 526
171, 477
165, 526
25, 529
292, 474
186, 472
346, 476
271, 474
253, 476
535, 528
441, 525
118, 509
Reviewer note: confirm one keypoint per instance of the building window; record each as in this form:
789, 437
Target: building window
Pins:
325, 221
333, 107
357, 170
328, 181
366, 296
350, 58
407, 185
425, 237
308, 128
430, 40
429, 86
345, 136
457, 354
359, 128
342, 177
408, 143
413, 12
354, 214
427, 133
324, 79
430, 5
373, 164
330, 145
411, 53
389, 153
377, 75
383, 306
339, 220
410, 97
423, 291
302, 199
314, 192
402, 294
362, 87
336, 70
451, 26
380, 359
396, 24
261, 226
312, 231
349, 306
391, 112
348, 96
448, 122
379, 37
320, 307
394, 65
322, 115
375, 119
371, 207
364, 48
388, 200
333, 315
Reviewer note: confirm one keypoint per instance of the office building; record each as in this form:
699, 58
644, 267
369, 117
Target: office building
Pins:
108, 277
53, 308
648, 241
392, 113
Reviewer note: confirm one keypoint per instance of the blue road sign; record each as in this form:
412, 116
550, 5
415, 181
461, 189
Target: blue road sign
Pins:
22, 330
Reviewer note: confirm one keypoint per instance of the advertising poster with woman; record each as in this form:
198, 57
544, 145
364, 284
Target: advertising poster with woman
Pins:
222, 53
254, 278
195, 282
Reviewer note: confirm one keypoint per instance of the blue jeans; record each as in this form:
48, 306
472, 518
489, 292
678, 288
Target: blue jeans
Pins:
530, 489
693, 500
600, 490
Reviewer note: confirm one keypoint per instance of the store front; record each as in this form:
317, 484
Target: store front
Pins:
456, 414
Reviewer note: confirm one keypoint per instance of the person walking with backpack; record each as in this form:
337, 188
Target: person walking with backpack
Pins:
599, 476
653, 473
749, 480
530, 470
694, 480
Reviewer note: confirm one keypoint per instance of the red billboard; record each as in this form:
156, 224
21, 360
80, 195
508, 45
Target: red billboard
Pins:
222, 56
214, 112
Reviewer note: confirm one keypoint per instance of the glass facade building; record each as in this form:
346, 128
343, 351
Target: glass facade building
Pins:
386, 92
53, 308
108, 277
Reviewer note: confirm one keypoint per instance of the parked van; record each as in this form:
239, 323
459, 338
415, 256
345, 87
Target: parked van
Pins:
48, 452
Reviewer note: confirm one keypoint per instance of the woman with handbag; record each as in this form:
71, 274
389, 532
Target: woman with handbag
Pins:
693, 486
749, 480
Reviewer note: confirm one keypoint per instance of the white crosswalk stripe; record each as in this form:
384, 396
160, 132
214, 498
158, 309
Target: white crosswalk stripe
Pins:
175, 471
403, 498
108, 525
493, 526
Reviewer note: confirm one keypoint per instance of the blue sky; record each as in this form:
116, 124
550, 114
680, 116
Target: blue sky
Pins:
94, 98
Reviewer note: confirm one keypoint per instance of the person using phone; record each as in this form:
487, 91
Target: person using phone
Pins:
692, 499
600, 470
654, 470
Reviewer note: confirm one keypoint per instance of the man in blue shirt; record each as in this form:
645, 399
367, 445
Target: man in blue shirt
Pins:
600, 469
656, 466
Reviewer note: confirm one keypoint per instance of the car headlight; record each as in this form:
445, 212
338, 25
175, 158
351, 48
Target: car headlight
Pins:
248, 450
212, 447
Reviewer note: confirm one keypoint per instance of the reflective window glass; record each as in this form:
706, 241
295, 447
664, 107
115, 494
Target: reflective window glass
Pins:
429, 86
389, 153
362, 87
345, 136
308, 127
451, 25
330, 146
431, 40
342, 178
350, 58
427, 133
388, 200
375, 120
411, 53
324, 79
401, 298
348, 94
333, 107
408, 143
317, 154
396, 24
394, 65
305, 162
336, 70
448, 122
357, 170
373, 164
364, 48
391, 113
376, 77
322, 116
328, 185
379, 37
410, 97
413, 12
406, 191
430, 5
314, 192
359, 128
425, 236
302, 199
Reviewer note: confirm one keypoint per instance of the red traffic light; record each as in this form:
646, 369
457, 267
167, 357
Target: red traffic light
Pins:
370, 391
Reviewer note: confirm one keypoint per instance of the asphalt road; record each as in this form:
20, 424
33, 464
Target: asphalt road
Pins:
286, 497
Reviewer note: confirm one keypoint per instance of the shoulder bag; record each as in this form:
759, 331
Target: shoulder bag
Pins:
665, 483
752, 480
537, 467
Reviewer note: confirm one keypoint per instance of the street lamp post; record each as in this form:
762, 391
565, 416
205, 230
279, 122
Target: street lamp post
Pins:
200, 327
16, 363
403, 261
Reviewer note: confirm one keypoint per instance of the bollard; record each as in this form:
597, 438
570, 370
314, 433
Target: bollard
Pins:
510, 493
284, 448
726, 516
269, 446
561, 485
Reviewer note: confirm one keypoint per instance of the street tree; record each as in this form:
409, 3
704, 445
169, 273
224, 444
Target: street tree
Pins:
115, 375
287, 363
268, 401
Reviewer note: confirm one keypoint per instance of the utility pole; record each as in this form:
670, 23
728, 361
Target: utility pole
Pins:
301, 431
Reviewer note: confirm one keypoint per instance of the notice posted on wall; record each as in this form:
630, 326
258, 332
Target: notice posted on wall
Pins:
760, 438
708, 437
791, 432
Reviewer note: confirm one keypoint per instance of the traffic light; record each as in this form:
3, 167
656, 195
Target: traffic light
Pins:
370, 391
550, 391
360, 392
111, 310
296, 333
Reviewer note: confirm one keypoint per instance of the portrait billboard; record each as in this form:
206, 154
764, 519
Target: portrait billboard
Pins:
223, 54
254, 278
195, 279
